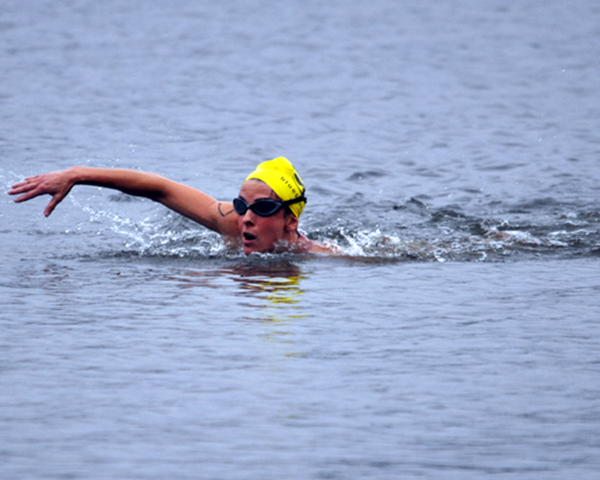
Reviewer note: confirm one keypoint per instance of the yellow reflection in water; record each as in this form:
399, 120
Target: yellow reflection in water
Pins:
273, 291
273, 296
270, 292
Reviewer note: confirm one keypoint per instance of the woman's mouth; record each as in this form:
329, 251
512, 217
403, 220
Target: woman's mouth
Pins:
249, 242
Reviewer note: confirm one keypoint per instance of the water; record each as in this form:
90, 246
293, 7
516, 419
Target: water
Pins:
450, 148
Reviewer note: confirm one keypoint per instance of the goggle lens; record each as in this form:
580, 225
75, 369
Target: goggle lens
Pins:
264, 207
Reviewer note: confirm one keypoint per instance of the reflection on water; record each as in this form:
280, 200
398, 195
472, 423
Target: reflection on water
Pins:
269, 290
278, 286
273, 295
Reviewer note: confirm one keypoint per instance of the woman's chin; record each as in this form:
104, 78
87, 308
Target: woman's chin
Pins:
248, 249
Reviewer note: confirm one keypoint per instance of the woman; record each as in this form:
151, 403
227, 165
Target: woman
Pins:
263, 218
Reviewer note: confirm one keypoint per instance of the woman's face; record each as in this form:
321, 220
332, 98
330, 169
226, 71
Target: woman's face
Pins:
262, 234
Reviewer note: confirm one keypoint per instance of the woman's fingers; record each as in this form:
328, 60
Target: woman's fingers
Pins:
50, 207
26, 184
26, 196
32, 187
20, 188
54, 184
28, 190
56, 199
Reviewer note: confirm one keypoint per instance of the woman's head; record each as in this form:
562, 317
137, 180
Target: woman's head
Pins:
271, 200
263, 233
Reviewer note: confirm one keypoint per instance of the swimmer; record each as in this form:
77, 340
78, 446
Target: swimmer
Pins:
263, 218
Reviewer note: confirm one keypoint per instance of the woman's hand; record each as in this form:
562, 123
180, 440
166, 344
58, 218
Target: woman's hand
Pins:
57, 184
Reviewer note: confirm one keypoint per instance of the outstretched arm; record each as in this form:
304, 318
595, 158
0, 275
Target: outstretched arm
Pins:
188, 201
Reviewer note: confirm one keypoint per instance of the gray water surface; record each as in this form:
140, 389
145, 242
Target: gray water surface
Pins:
450, 148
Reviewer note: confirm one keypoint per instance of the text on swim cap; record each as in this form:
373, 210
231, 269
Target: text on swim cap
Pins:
289, 185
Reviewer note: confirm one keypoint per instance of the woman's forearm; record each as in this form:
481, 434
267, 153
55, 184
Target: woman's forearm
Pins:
132, 182
187, 201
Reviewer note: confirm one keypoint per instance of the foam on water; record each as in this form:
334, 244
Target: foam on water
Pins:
441, 235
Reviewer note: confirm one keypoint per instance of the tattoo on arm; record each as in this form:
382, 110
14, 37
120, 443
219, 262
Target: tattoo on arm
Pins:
221, 211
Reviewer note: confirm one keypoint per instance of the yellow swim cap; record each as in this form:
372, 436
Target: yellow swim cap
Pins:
280, 175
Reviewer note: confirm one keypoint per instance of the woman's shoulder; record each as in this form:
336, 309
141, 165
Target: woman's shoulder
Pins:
329, 249
318, 247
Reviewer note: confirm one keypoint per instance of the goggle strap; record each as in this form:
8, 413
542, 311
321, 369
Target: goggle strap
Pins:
301, 198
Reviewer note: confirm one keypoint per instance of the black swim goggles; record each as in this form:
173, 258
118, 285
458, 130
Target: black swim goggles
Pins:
264, 207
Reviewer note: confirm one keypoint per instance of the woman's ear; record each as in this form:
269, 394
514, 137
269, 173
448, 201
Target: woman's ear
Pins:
291, 223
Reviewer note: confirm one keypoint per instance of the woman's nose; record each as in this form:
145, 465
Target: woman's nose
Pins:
248, 217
